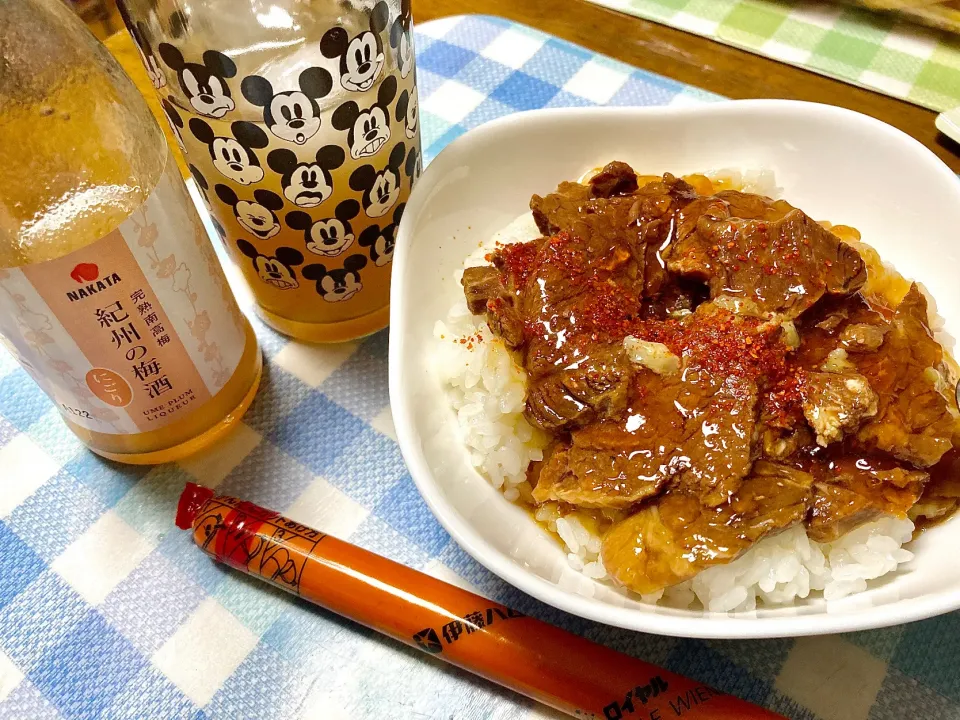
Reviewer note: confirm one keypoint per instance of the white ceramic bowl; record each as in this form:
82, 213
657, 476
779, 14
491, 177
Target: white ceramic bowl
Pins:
833, 163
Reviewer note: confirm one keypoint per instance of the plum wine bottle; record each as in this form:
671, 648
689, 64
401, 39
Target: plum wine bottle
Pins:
111, 295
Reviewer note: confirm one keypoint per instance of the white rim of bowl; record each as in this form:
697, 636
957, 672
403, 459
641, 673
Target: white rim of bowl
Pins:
713, 626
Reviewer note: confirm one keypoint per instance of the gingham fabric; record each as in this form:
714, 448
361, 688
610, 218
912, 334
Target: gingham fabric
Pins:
108, 611
875, 50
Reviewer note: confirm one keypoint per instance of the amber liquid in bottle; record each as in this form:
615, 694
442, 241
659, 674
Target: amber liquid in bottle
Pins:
314, 243
292, 305
83, 154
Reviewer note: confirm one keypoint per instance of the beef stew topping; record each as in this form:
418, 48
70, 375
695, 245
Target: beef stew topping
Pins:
710, 372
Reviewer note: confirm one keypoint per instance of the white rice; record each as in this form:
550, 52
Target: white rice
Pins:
486, 389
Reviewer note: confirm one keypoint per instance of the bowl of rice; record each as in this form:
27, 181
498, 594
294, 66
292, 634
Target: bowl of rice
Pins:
458, 395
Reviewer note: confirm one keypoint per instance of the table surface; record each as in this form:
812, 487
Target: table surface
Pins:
107, 612
697, 61
687, 58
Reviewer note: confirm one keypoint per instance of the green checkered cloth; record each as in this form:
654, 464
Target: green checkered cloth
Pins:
875, 50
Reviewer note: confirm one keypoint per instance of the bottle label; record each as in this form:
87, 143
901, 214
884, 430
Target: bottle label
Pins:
133, 331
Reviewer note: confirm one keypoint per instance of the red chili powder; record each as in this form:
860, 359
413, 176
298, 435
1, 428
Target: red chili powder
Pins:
608, 311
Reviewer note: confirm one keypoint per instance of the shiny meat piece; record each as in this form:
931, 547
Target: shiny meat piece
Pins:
561, 287
719, 419
558, 481
833, 323
863, 337
594, 387
676, 298
749, 246
616, 178
561, 210
570, 207
480, 285
551, 406
560, 302
688, 429
485, 292
916, 418
673, 539
916, 415
504, 322
641, 221
836, 403
851, 491
564, 287
941, 495
836, 511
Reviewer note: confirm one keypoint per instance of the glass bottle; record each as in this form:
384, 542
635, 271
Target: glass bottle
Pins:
111, 295
300, 122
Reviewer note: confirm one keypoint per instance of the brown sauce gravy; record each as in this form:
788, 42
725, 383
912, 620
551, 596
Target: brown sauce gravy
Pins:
730, 442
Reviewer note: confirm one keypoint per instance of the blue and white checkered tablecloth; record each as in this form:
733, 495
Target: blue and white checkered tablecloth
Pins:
108, 611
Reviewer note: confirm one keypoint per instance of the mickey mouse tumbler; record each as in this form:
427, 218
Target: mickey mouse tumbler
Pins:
300, 127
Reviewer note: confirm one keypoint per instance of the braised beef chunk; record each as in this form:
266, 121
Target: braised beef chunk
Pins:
671, 541
485, 291
863, 337
836, 403
567, 288
616, 178
536, 467
713, 418
563, 305
829, 331
941, 495
506, 323
710, 370
676, 298
563, 481
690, 418
764, 250
480, 286
855, 489
902, 363
688, 430
561, 210
596, 388
916, 417
642, 221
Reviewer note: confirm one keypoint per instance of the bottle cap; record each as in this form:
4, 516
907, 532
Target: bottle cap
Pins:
192, 499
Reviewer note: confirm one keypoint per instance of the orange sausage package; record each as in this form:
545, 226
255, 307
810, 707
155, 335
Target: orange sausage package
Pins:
557, 668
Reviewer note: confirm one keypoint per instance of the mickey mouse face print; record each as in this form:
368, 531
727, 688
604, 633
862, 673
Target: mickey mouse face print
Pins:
381, 243
361, 58
233, 156
205, 86
294, 115
139, 33
408, 113
176, 122
368, 130
380, 189
329, 236
274, 270
306, 184
400, 39
340, 284
258, 216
